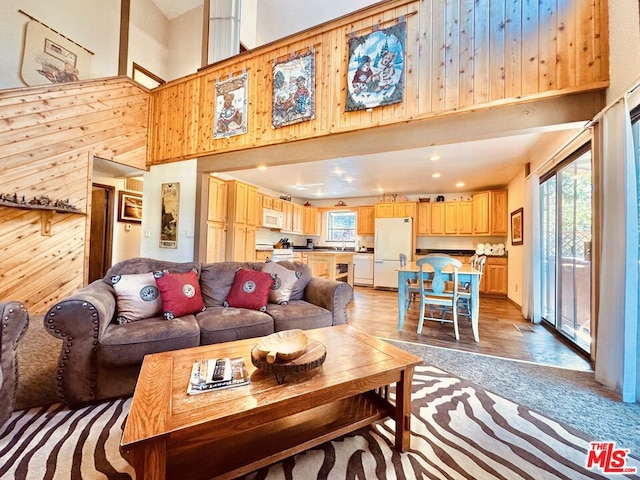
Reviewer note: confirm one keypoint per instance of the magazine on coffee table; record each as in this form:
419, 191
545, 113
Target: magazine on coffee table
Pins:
217, 373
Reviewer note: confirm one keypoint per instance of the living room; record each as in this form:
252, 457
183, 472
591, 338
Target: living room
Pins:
621, 80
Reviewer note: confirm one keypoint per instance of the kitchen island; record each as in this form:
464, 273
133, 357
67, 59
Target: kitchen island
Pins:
331, 264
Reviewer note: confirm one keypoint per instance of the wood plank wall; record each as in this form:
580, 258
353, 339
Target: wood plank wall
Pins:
48, 137
461, 55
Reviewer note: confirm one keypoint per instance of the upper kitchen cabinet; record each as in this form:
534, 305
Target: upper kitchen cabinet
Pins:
298, 218
243, 203
310, 221
243, 220
458, 218
490, 215
424, 218
395, 210
366, 220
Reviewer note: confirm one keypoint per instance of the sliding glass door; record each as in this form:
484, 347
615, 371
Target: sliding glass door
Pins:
566, 212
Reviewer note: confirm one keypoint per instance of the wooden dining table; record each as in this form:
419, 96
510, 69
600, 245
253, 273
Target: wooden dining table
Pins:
466, 273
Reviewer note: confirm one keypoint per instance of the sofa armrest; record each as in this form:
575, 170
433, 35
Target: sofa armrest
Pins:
15, 320
80, 321
330, 294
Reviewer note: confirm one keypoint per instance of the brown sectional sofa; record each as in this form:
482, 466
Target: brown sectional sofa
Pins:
15, 321
101, 359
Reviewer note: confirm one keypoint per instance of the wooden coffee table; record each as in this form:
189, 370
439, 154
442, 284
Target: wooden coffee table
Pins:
231, 432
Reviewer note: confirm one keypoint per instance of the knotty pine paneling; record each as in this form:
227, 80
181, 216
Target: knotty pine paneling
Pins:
460, 55
48, 136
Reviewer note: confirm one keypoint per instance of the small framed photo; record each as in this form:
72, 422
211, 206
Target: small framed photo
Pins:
129, 207
516, 227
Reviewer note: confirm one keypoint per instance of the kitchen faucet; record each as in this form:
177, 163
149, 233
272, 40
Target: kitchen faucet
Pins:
343, 244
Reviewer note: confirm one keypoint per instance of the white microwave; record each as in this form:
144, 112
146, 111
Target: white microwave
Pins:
272, 218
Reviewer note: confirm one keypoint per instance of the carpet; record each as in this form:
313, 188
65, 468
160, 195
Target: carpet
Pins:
459, 430
568, 396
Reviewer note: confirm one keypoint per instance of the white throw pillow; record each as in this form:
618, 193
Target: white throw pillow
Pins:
137, 297
283, 282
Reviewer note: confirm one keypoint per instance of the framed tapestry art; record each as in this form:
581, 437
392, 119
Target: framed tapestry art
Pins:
375, 70
48, 57
293, 90
169, 221
231, 107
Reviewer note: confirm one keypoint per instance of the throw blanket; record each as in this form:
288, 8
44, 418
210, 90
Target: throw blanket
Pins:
459, 431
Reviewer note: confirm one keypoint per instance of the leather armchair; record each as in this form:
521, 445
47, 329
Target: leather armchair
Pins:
15, 321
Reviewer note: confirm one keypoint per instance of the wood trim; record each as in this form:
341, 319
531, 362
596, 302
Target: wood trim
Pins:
123, 51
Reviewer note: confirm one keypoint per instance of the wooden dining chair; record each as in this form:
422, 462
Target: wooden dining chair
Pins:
433, 292
464, 290
412, 290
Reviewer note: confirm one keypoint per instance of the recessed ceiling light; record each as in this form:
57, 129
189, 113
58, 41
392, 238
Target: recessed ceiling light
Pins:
262, 167
380, 190
460, 184
436, 175
338, 171
348, 179
434, 158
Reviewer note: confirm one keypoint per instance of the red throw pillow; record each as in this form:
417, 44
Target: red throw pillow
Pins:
180, 293
250, 289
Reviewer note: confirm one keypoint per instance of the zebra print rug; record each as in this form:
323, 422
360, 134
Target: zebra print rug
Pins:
459, 431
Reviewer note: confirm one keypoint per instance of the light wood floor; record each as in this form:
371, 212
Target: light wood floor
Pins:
503, 330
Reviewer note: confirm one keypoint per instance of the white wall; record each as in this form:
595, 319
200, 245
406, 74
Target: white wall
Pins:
516, 252
279, 18
148, 38
183, 173
96, 28
185, 43
624, 46
248, 23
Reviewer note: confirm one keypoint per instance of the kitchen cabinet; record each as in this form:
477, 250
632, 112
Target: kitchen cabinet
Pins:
395, 210
490, 213
424, 219
297, 221
243, 203
404, 209
287, 217
384, 210
366, 220
310, 221
216, 221
465, 218
277, 204
242, 221
267, 202
216, 242
332, 265
499, 212
450, 218
495, 276
262, 255
445, 218
437, 218
241, 243
217, 208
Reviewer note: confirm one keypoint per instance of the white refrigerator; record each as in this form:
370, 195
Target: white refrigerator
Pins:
393, 236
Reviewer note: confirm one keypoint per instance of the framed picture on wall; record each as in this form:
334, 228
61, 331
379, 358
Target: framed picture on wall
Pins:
170, 209
516, 227
129, 207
